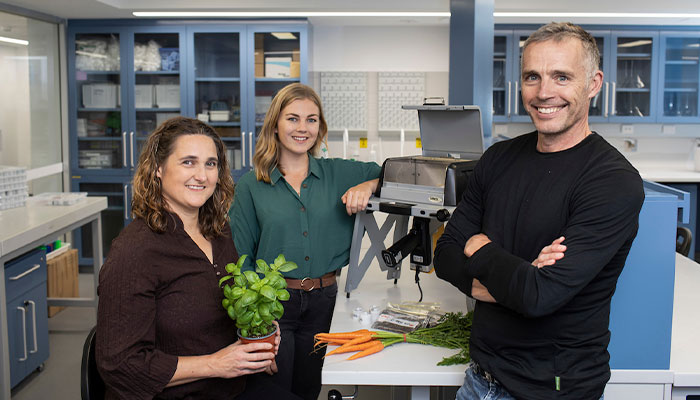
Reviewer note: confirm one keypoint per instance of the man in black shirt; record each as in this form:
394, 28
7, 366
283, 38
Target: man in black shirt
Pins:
561, 196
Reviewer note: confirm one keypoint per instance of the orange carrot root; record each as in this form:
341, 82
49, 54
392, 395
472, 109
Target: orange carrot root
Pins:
375, 348
357, 347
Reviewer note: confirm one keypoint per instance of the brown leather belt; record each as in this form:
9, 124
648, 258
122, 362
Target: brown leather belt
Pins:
307, 284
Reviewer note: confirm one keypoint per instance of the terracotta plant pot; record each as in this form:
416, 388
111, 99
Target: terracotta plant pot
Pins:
269, 338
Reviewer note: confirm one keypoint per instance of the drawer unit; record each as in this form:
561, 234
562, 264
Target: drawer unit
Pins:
25, 272
27, 319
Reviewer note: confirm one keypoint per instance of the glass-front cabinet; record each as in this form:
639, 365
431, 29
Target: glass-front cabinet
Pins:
125, 79
507, 98
633, 76
629, 64
679, 77
216, 63
97, 86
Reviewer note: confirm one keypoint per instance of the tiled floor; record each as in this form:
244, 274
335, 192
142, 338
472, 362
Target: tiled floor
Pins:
60, 378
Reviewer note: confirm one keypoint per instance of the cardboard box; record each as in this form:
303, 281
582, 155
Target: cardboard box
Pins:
294, 69
277, 67
100, 95
296, 56
259, 40
62, 280
259, 70
259, 56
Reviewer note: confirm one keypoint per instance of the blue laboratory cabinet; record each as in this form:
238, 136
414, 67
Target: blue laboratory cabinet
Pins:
629, 61
126, 77
679, 75
27, 318
642, 306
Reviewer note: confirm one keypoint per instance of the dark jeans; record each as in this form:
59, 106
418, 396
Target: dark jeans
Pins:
305, 314
259, 388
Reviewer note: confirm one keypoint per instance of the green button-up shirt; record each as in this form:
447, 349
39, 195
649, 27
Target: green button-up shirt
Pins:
311, 228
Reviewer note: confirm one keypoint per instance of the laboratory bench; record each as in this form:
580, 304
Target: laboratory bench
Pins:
23, 301
415, 365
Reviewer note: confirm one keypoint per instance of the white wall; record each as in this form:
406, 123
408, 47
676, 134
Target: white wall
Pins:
14, 106
379, 49
374, 48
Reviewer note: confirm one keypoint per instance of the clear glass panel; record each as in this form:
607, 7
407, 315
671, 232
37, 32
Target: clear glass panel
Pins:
264, 92
231, 138
521, 110
277, 55
681, 76
499, 75
596, 107
217, 55
157, 89
30, 116
632, 104
220, 100
98, 84
633, 76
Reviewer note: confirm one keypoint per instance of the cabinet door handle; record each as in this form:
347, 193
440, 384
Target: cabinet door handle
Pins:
250, 148
36, 346
242, 149
131, 144
607, 95
613, 108
126, 214
25, 273
508, 98
124, 148
517, 99
24, 332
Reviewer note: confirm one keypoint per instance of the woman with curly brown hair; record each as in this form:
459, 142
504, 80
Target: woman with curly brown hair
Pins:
161, 331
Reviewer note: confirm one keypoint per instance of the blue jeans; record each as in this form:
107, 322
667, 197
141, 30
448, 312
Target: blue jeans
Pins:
476, 387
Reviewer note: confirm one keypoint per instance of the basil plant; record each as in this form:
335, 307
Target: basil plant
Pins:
254, 302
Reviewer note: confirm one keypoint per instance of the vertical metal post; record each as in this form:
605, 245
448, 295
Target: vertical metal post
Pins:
96, 227
4, 341
471, 57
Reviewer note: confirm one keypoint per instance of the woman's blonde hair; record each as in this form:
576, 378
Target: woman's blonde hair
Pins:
267, 146
148, 202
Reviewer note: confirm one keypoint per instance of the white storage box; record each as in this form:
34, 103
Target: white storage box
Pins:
219, 116
100, 95
95, 158
143, 96
278, 67
168, 96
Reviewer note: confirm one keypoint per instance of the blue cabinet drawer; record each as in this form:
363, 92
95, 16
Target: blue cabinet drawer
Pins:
25, 272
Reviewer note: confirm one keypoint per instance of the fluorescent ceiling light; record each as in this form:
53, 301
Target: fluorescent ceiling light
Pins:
285, 14
284, 35
15, 41
635, 43
305, 14
593, 15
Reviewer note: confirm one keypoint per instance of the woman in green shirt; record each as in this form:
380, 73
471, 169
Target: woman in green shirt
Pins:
302, 207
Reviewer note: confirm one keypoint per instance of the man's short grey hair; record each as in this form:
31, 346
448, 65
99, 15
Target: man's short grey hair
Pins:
559, 31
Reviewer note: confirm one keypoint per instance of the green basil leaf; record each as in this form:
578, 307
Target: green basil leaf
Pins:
231, 312
262, 266
269, 292
288, 266
282, 294
280, 260
230, 267
224, 279
251, 276
249, 297
240, 280
241, 260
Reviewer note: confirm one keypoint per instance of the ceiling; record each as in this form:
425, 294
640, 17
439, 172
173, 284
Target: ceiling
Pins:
91, 9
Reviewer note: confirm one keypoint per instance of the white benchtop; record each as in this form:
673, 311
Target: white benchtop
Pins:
24, 225
685, 346
407, 364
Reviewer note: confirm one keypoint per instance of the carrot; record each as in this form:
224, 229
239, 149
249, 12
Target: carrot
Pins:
343, 335
375, 348
336, 342
357, 347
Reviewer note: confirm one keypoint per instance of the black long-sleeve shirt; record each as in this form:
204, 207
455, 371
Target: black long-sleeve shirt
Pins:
547, 335
160, 299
